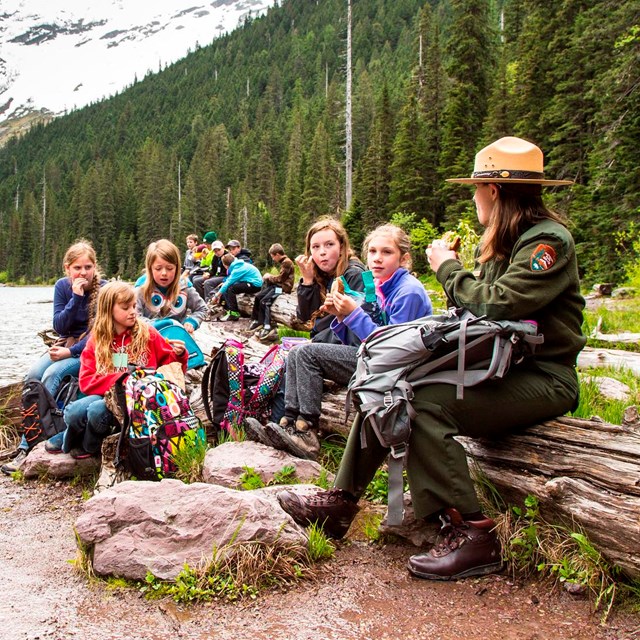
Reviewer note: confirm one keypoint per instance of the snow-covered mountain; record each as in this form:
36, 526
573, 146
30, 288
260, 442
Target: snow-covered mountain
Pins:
58, 55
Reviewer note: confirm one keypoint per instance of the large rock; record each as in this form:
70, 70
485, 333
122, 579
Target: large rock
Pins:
419, 533
137, 527
226, 463
41, 463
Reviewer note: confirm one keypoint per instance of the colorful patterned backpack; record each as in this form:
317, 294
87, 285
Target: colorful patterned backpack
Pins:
160, 422
233, 389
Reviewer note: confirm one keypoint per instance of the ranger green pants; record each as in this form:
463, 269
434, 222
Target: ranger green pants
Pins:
436, 463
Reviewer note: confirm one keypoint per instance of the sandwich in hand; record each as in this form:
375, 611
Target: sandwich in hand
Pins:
451, 240
337, 285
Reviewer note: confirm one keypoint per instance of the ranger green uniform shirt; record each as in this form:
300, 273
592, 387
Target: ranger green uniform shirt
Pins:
539, 281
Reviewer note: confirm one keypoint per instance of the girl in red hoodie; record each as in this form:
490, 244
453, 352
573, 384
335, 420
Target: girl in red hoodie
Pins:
119, 341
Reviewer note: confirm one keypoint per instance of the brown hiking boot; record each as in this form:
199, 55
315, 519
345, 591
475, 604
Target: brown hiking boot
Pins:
255, 431
333, 510
468, 548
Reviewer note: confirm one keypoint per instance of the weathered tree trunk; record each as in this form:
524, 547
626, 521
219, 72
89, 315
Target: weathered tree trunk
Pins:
283, 310
585, 473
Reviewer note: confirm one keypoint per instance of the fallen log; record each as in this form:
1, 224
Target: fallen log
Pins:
283, 310
585, 474
615, 358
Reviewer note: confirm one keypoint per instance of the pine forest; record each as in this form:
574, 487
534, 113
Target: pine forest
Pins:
246, 136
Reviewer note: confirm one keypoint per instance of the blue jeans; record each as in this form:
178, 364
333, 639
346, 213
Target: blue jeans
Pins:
51, 373
88, 423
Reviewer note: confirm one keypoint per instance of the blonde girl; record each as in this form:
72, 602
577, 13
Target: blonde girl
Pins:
74, 303
119, 341
163, 293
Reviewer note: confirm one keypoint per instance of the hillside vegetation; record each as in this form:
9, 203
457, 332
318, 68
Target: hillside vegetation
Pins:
247, 134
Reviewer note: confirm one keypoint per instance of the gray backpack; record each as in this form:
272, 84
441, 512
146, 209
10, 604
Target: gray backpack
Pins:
455, 348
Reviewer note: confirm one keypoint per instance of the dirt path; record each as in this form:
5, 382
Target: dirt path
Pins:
365, 592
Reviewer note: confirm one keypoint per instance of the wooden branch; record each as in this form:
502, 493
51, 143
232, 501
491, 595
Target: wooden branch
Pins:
615, 358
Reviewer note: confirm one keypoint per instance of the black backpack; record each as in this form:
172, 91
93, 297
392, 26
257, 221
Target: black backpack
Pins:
42, 414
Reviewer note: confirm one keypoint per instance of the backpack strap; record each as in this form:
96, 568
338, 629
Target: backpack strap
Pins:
235, 369
369, 287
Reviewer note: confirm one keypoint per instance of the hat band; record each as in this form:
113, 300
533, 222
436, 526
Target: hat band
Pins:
508, 173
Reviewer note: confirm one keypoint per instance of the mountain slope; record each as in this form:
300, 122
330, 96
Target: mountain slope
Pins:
58, 56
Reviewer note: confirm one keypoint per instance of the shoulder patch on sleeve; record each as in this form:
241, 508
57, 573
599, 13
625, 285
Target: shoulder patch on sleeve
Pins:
542, 258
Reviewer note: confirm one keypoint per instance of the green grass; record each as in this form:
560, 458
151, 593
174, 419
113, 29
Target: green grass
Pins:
319, 546
189, 460
566, 556
593, 403
621, 316
331, 450
370, 524
286, 332
238, 571
251, 479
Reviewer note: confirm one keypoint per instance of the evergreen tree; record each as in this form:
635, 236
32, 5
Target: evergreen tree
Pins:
316, 196
408, 186
206, 185
469, 49
375, 173
291, 209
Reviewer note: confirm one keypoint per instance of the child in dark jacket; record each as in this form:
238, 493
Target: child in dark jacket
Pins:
273, 286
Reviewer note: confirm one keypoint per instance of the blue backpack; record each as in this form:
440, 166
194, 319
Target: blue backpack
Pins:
173, 330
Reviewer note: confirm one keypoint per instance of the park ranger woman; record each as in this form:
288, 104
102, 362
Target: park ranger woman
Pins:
525, 269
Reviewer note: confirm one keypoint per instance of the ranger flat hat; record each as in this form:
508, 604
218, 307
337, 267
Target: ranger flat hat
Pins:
509, 159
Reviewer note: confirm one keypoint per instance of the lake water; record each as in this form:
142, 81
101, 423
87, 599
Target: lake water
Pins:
25, 311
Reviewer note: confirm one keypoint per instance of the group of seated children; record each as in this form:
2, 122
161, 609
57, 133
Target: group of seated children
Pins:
105, 323
204, 266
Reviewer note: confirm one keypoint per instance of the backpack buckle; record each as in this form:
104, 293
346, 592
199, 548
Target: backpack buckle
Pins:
398, 450
388, 399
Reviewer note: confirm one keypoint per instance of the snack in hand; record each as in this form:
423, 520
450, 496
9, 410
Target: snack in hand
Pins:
337, 285
451, 240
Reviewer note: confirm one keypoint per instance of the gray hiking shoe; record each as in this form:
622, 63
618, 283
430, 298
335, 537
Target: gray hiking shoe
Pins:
268, 335
285, 436
16, 463
256, 432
